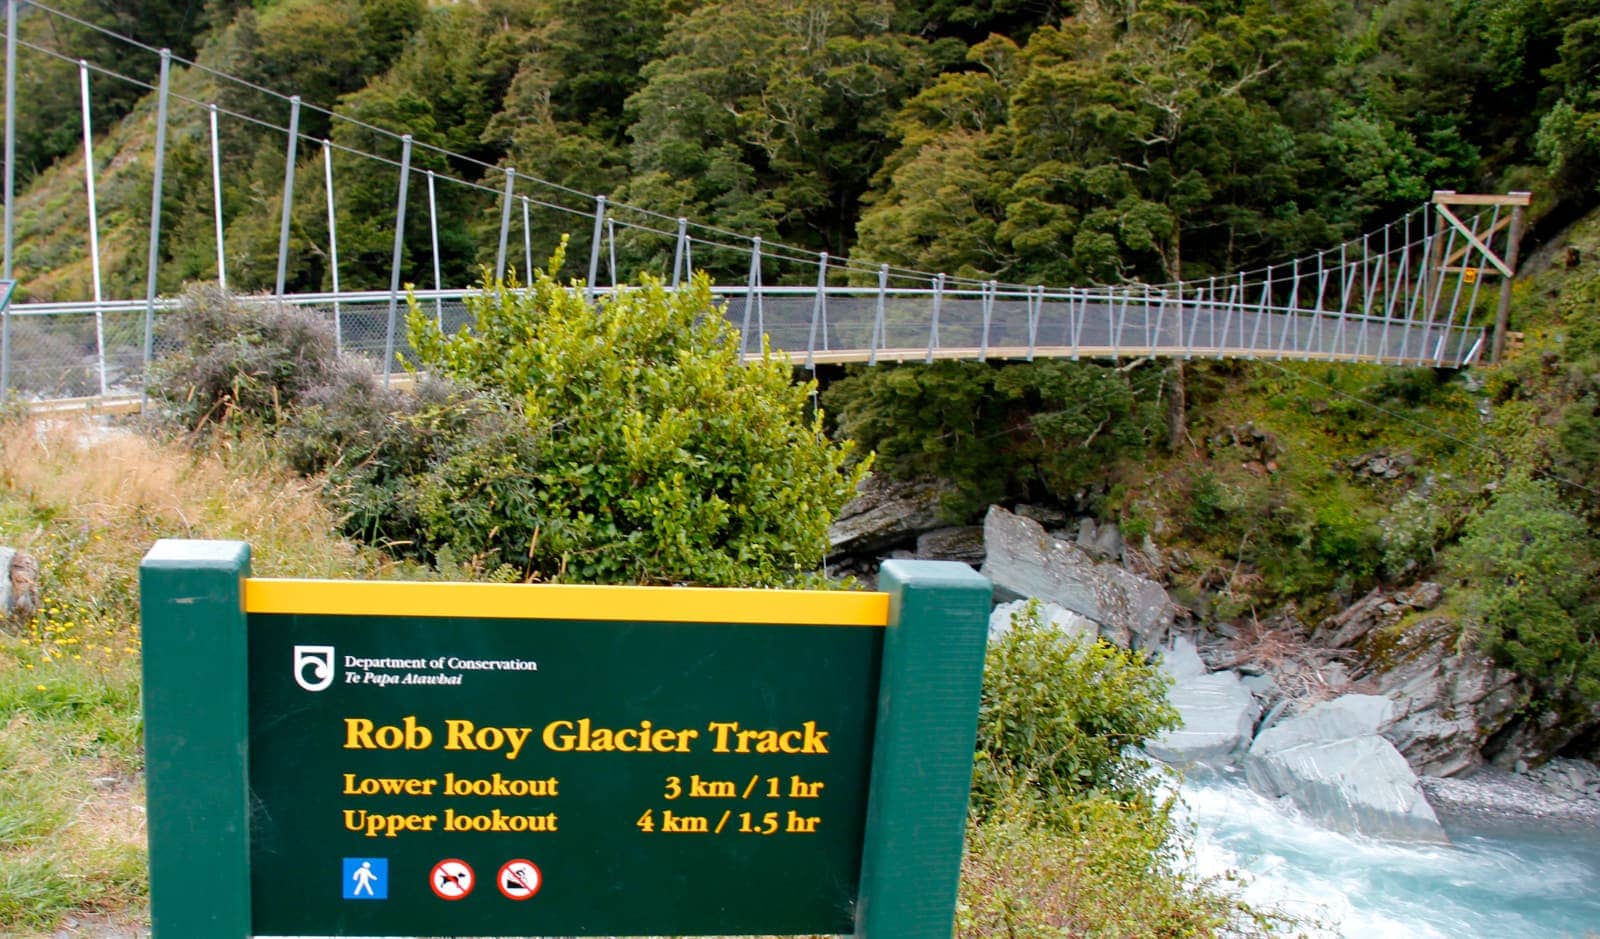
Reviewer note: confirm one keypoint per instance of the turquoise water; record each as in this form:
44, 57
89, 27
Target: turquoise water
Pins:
1533, 885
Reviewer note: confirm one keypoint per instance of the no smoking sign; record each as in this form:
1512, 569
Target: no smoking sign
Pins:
519, 879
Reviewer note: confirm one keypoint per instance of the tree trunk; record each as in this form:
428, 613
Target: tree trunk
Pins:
1177, 405
1177, 389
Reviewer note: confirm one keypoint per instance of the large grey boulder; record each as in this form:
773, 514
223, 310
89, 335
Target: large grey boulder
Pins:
1449, 698
1219, 713
1069, 624
19, 585
1331, 762
1023, 560
1181, 661
884, 513
1350, 715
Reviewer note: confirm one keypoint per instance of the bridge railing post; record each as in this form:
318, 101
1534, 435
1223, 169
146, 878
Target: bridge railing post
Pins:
10, 191
1377, 274
1292, 310
1503, 304
333, 243
878, 314
1144, 315
94, 226
680, 253
433, 240
1119, 309
1391, 290
1161, 317
163, 88
989, 288
1196, 306
505, 225
1235, 303
1035, 309
1261, 312
611, 251
1322, 286
394, 262
751, 296
10, 154
1408, 279
216, 197
594, 244
1077, 307
819, 306
289, 157
933, 326
1455, 295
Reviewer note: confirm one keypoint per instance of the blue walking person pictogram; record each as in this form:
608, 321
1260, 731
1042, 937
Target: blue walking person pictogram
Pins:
366, 878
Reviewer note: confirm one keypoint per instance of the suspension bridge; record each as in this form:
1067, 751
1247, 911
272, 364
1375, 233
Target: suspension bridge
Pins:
1406, 294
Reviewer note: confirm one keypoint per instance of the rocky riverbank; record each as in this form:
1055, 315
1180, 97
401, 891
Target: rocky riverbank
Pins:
1381, 720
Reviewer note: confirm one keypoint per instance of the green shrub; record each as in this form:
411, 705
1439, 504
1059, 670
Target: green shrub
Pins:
1529, 564
1116, 870
630, 446
391, 461
1069, 834
1059, 718
1342, 540
238, 361
1414, 529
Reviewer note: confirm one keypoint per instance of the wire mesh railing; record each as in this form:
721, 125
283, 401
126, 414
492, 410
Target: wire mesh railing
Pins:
59, 353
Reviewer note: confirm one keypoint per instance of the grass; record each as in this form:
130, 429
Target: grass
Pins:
88, 500
72, 820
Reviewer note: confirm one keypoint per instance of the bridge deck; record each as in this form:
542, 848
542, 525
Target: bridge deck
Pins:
1023, 353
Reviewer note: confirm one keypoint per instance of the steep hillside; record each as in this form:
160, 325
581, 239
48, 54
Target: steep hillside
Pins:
1298, 489
1097, 142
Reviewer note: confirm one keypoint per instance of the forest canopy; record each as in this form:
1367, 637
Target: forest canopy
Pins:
1036, 142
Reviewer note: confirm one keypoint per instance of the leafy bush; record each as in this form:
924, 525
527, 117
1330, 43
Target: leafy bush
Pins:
1343, 541
1116, 870
245, 361
1059, 717
1417, 526
627, 445
1070, 836
391, 461
1530, 567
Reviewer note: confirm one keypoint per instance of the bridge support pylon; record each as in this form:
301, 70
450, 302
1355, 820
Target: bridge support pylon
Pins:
1506, 267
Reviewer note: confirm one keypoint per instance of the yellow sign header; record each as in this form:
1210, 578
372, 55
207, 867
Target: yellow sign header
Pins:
566, 602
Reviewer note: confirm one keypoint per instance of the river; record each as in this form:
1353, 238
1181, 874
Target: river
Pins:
1486, 884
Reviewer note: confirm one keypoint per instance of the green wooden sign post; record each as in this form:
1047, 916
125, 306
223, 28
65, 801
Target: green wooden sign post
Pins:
382, 759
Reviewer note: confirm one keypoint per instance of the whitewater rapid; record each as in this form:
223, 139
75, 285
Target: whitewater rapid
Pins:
1536, 884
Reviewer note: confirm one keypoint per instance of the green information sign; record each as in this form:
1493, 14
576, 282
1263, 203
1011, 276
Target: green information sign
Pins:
388, 759
651, 773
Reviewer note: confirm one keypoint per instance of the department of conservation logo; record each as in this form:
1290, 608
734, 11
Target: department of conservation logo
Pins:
313, 667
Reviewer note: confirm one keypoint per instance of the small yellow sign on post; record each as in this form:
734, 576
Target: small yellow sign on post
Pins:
1469, 275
